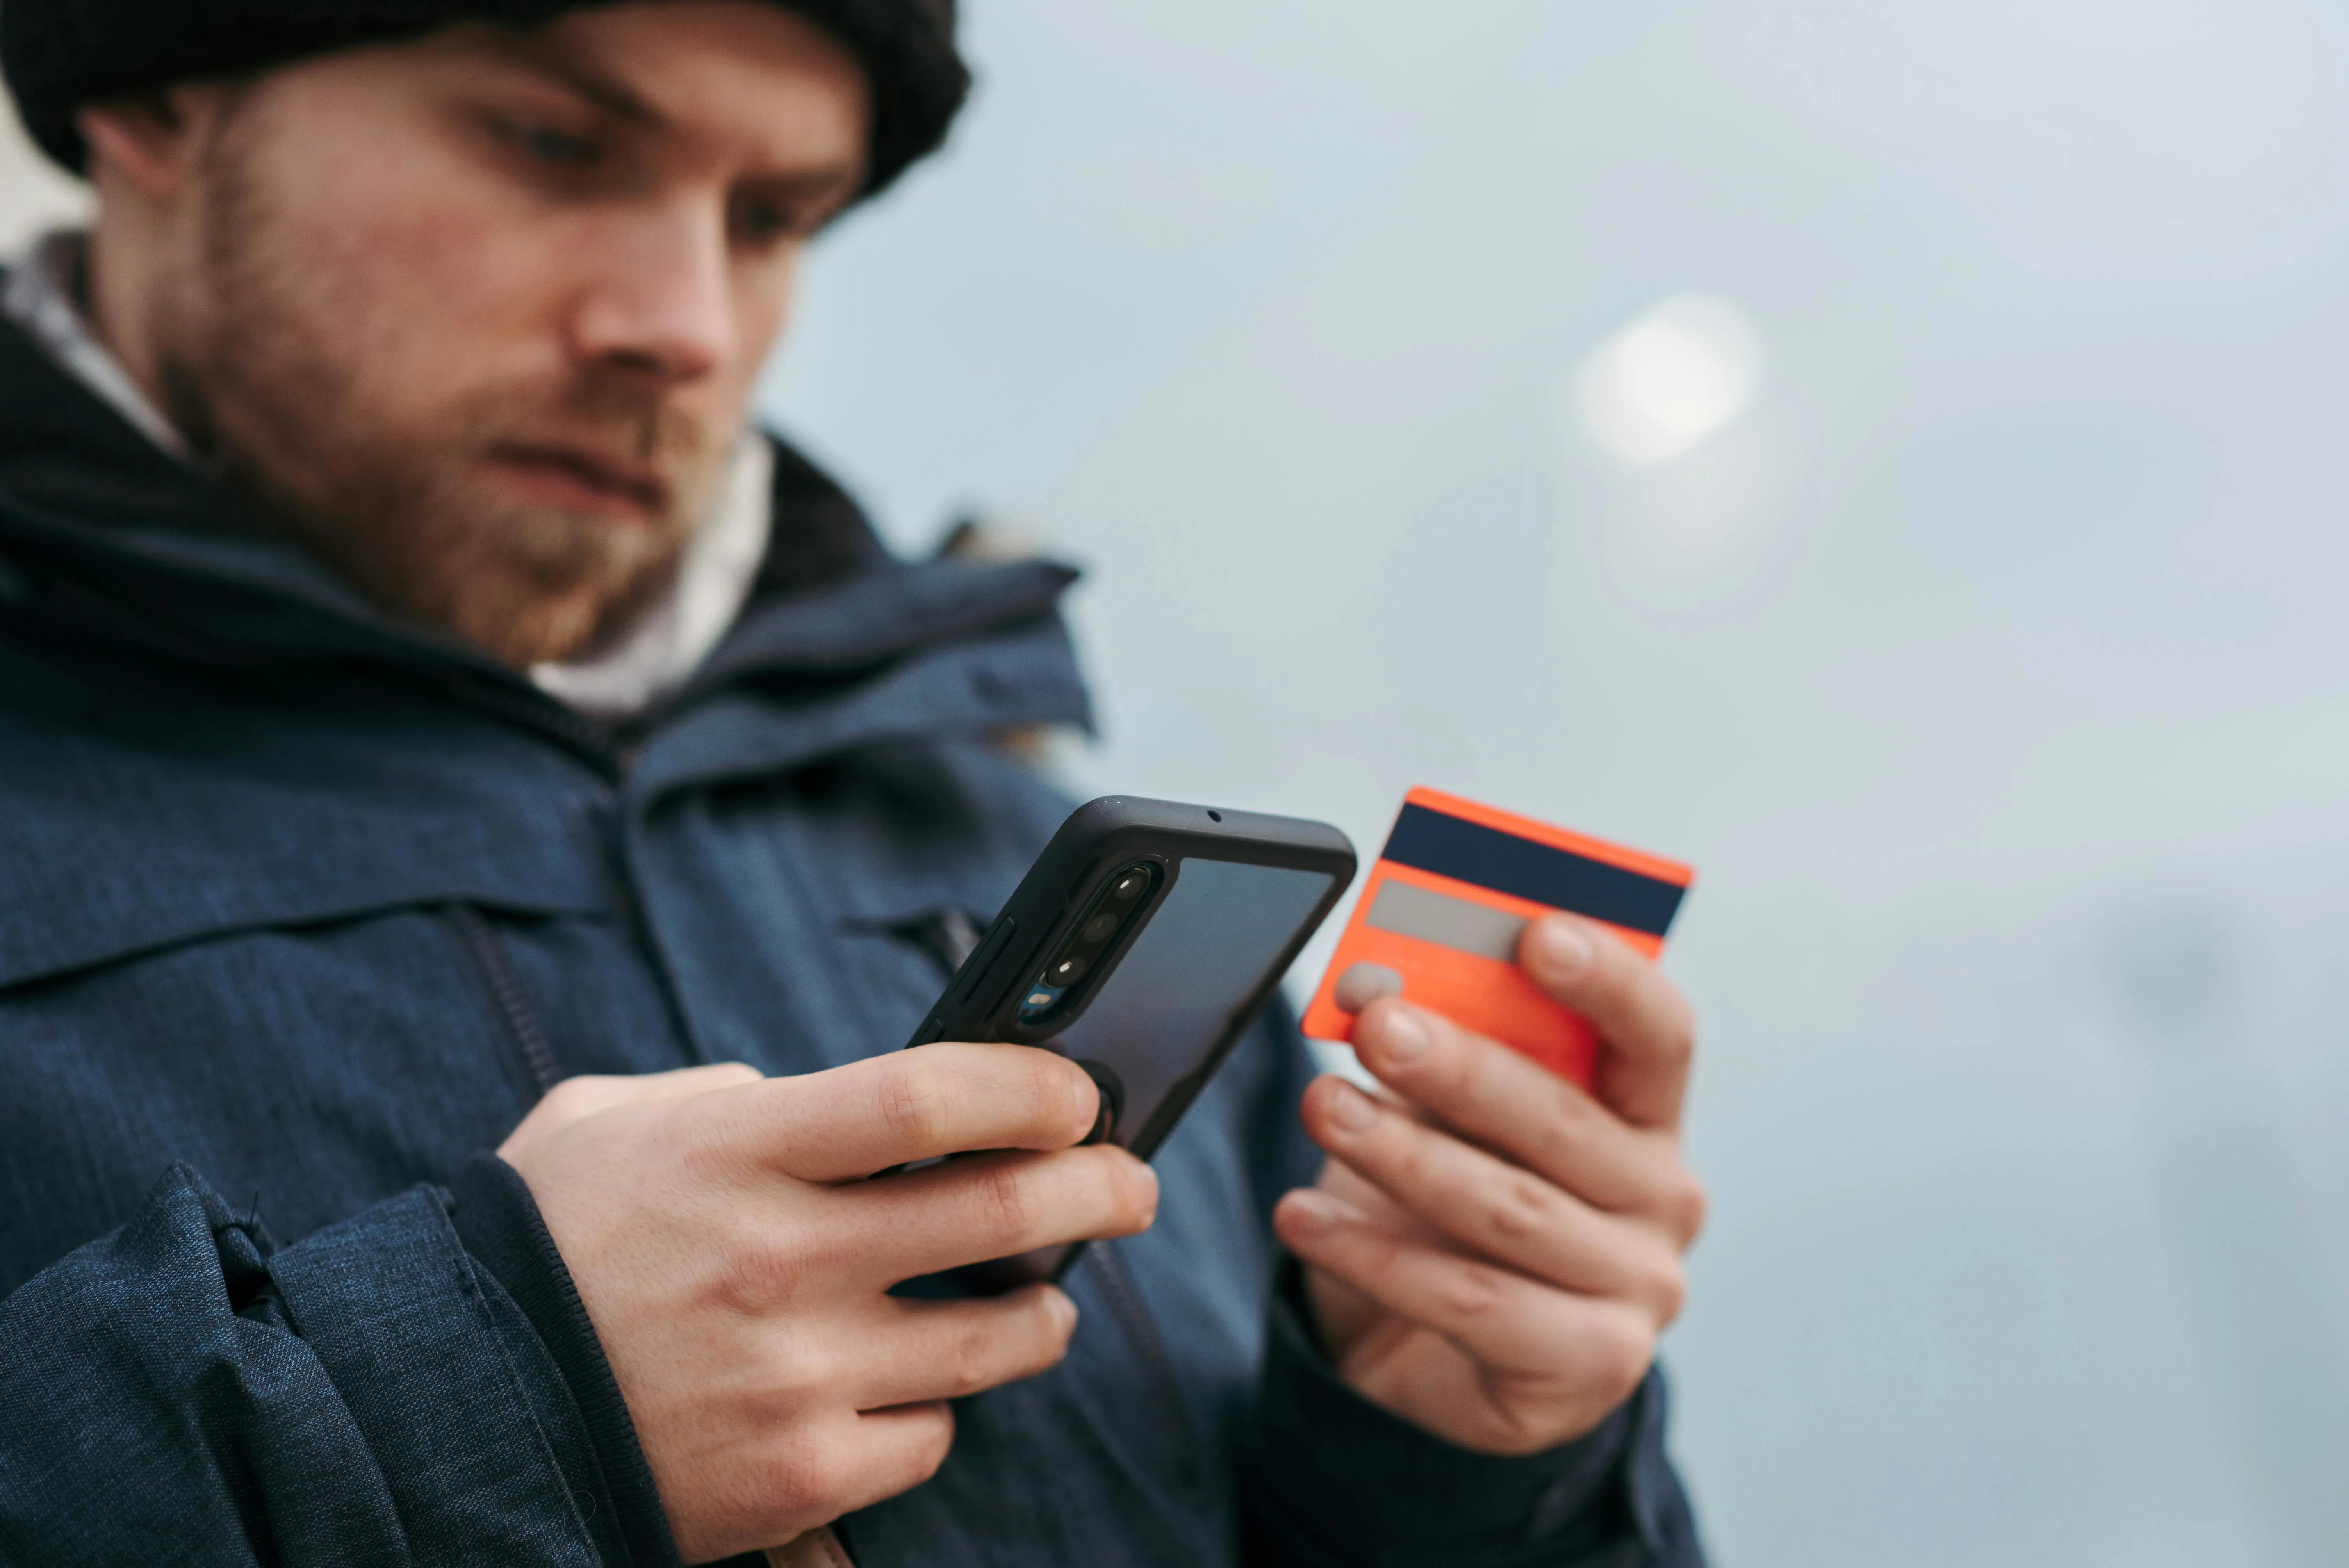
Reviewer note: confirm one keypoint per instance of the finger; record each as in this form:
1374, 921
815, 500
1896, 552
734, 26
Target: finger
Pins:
1492, 1207
595, 1092
886, 1452
989, 1206
902, 1448
1501, 1319
1342, 1180
951, 1349
848, 1122
810, 1474
1647, 1033
1530, 1114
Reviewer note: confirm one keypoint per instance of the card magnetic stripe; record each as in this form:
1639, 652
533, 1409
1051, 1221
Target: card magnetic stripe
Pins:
1487, 857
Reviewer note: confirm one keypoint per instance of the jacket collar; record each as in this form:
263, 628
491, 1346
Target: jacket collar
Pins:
117, 541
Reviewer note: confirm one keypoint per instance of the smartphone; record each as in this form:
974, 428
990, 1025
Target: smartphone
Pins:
1141, 944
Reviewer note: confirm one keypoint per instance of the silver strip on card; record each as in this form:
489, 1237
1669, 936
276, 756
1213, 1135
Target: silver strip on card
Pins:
1447, 921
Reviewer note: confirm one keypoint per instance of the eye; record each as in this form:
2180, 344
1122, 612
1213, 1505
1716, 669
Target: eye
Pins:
546, 144
766, 221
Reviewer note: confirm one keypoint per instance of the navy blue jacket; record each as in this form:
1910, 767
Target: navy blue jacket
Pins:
301, 909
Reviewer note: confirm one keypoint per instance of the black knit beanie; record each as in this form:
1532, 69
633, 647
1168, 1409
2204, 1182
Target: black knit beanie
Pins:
59, 55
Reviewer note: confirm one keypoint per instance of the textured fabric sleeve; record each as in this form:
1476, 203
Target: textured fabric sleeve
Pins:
1328, 1480
178, 1391
499, 1221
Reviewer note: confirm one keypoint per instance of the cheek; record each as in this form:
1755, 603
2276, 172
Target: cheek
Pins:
442, 289
763, 298
764, 295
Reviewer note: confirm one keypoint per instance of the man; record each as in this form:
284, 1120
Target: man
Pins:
430, 724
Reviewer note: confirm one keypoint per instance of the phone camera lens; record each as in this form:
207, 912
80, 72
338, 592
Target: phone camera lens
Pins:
1131, 883
1099, 926
1066, 972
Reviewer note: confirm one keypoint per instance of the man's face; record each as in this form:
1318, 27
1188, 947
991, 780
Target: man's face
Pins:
477, 317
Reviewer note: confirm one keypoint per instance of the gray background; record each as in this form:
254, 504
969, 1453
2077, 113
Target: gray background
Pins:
1990, 667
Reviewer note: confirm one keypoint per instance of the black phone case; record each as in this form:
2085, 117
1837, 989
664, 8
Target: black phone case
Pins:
982, 1001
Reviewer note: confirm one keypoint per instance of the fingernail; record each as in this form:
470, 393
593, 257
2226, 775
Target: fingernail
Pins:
1314, 1213
1351, 1109
1561, 948
1064, 1309
1363, 983
1402, 1036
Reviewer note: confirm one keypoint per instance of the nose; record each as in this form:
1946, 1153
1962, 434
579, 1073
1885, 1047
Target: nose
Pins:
661, 307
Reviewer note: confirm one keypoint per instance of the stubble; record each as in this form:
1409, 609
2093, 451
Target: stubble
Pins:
272, 362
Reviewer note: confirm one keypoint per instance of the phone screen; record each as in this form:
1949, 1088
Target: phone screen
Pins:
1209, 946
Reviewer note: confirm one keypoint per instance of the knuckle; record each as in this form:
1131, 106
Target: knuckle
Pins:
912, 1102
1686, 1206
1519, 1432
706, 1150
1006, 1203
573, 1096
1620, 1354
1421, 1160
821, 1476
1521, 1208
1569, 1120
814, 1367
790, 1461
974, 1359
756, 1271
1470, 1291
1571, 1108
1667, 1289
1456, 1063
1454, 1069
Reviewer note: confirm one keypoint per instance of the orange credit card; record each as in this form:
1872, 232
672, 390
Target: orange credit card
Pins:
1455, 887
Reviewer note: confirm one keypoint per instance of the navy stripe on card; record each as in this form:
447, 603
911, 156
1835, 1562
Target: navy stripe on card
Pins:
1471, 853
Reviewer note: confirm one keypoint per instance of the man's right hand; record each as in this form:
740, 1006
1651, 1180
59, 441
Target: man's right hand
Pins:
736, 1266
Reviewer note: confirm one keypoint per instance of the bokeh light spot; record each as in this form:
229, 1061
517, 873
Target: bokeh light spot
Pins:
1681, 370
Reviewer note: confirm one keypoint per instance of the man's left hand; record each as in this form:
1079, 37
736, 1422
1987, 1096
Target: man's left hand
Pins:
1491, 1252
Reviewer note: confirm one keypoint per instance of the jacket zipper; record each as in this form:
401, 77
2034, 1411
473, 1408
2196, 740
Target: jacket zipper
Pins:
514, 1015
1125, 1304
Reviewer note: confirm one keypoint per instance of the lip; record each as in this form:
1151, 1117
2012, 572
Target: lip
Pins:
578, 475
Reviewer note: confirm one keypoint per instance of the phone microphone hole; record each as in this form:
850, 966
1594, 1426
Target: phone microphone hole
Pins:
1214, 816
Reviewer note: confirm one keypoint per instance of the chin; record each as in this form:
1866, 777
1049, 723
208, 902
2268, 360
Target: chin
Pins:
519, 630
524, 584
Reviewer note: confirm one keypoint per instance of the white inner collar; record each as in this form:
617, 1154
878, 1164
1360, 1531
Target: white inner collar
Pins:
649, 659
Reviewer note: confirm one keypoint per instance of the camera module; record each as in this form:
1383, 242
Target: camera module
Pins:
1112, 909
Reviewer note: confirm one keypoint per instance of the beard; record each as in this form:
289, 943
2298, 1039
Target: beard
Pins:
279, 363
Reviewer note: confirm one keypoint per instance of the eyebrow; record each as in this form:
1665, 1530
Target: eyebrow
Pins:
543, 59
547, 60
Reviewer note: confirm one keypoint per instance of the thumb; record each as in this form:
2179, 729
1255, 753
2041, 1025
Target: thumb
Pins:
1647, 1034
577, 1099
